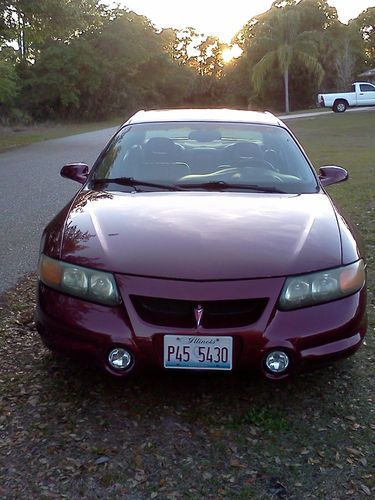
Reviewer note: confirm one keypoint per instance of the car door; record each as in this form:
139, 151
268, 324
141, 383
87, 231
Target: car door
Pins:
366, 95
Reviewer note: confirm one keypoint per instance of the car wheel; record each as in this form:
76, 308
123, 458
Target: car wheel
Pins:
340, 106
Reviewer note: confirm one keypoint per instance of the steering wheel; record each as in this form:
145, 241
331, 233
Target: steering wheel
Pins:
259, 172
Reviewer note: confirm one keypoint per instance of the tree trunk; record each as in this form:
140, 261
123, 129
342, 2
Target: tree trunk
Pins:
286, 89
21, 36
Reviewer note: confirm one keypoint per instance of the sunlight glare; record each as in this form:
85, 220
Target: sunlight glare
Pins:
231, 53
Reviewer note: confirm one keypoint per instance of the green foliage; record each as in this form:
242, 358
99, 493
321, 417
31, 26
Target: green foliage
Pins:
51, 85
8, 83
236, 82
264, 417
95, 75
33, 24
209, 60
80, 59
9, 86
180, 43
366, 24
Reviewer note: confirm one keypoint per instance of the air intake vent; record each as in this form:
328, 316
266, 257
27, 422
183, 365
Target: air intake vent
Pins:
181, 313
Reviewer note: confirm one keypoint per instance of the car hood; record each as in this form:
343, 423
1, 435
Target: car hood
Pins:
200, 235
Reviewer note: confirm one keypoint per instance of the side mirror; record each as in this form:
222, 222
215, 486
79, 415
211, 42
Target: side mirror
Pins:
75, 171
332, 175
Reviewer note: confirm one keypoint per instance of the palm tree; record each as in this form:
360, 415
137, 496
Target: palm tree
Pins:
280, 37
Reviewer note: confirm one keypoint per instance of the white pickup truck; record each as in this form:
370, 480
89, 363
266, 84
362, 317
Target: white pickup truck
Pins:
362, 94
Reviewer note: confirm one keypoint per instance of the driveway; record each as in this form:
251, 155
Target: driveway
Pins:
312, 114
32, 192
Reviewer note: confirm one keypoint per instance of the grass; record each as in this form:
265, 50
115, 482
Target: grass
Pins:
11, 137
263, 417
68, 431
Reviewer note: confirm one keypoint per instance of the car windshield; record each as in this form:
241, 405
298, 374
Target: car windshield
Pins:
201, 155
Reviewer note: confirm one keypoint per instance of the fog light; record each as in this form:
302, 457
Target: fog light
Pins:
277, 361
120, 359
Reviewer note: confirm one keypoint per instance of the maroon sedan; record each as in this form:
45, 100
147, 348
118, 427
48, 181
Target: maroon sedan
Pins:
202, 240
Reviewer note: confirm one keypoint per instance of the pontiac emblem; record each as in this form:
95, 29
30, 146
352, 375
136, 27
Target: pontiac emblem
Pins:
198, 313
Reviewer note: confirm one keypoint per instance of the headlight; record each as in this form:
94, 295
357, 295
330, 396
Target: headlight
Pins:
323, 286
87, 284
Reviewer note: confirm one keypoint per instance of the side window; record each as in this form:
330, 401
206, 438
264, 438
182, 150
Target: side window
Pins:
367, 88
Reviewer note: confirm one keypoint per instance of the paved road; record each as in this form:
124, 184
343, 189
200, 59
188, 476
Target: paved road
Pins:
32, 192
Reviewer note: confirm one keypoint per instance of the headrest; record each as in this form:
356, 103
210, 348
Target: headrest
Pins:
160, 145
245, 150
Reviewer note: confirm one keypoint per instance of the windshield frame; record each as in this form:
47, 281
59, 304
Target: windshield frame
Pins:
314, 189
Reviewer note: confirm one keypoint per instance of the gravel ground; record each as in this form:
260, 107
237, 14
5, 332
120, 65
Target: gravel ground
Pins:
68, 431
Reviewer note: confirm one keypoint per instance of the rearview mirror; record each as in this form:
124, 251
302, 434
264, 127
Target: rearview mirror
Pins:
75, 171
332, 175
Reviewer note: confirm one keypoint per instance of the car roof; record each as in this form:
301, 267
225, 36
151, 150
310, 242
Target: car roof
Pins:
205, 115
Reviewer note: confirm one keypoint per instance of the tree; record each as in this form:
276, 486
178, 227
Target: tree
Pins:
33, 24
316, 15
235, 81
366, 25
210, 56
113, 69
170, 42
283, 42
60, 83
8, 83
180, 45
348, 49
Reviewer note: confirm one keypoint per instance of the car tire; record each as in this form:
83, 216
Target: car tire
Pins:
340, 106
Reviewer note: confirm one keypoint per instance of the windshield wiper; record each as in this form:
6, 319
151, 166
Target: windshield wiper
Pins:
212, 185
221, 185
130, 181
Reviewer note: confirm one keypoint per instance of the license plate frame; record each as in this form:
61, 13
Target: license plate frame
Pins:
197, 352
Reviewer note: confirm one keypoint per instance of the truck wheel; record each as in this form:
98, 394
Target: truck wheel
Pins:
340, 106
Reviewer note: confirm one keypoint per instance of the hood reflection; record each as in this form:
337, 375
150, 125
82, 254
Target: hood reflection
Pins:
78, 232
202, 236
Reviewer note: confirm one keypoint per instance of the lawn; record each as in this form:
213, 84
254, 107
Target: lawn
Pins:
68, 431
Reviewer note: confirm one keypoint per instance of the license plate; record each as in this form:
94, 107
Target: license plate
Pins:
198, 353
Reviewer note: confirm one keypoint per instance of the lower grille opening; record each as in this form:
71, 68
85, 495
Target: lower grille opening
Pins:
182, 313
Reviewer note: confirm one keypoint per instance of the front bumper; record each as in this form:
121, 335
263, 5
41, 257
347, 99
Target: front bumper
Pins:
311, 336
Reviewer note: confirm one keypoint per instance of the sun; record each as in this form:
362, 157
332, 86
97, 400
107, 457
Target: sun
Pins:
231, 53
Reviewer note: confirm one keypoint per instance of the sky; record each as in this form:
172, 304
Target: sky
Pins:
221, 18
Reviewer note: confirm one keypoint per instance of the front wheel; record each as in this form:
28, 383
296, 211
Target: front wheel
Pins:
340, 106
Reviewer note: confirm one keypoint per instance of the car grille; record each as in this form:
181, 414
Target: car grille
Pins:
181, 313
